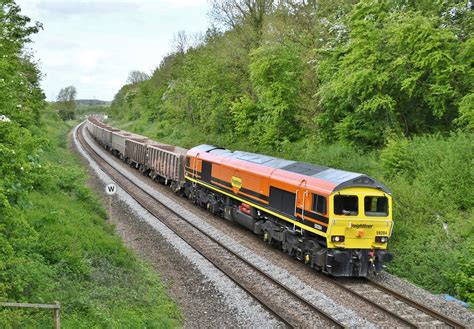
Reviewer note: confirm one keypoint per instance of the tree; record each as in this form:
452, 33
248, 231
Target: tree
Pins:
239, 14
180, 42
136, 76
276, 74
21, 98
401, 73
66, 102
21, 102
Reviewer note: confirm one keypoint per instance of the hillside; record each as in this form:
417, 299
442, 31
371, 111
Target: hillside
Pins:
55, 242
91, 102
383, 88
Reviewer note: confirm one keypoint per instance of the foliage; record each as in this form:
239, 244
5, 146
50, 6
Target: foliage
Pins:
54, 242
270, 116
276, 74
246, 16
463, 278
396, 159
400, 73
466, 111
82, 110
21, 98
66, 103
137, 77
21, 101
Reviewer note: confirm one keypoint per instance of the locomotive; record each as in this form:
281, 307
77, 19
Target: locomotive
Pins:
338, 222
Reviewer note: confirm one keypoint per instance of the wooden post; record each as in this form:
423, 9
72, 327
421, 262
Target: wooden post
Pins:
56, 307
57, 315
110, 208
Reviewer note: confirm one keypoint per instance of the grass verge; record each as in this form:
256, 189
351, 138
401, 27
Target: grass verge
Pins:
73, 256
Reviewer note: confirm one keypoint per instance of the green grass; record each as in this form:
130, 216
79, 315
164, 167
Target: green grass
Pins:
78, 260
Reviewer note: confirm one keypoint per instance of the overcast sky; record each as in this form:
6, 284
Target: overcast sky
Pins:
93, 45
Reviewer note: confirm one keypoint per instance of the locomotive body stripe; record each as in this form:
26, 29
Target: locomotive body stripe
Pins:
304, 224
241, 190
190, 171
313, 215
221, 182
228, 185
312, 222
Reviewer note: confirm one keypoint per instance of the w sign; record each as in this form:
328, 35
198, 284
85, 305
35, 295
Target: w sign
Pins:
111, 189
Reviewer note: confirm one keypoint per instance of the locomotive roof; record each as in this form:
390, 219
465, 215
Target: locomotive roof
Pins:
341, 178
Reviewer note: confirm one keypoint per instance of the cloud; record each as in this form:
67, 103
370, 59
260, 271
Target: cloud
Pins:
108, 7
89, 60
93, 45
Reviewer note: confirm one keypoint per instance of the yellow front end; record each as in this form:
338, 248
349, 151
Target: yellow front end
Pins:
359, 218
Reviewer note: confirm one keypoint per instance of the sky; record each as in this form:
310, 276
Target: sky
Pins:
93, 45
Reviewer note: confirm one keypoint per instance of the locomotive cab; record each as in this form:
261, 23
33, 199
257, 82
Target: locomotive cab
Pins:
360, 227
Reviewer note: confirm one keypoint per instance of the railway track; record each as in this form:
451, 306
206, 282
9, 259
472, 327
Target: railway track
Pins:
429, 317
403, 311
285, 304
406, 311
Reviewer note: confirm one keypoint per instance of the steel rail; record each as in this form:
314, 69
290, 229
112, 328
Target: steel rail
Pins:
369, 301
417, 305
332, 280
278, 314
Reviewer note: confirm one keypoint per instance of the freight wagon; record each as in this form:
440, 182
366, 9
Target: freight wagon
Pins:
136, 152
166, 163
118, 142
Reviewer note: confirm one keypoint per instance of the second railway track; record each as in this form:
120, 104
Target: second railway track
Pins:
404, 310
287, 305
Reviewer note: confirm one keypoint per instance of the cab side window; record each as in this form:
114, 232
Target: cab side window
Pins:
319, 204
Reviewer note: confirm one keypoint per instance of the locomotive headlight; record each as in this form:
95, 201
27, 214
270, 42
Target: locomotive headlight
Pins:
337, 238
381, 239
